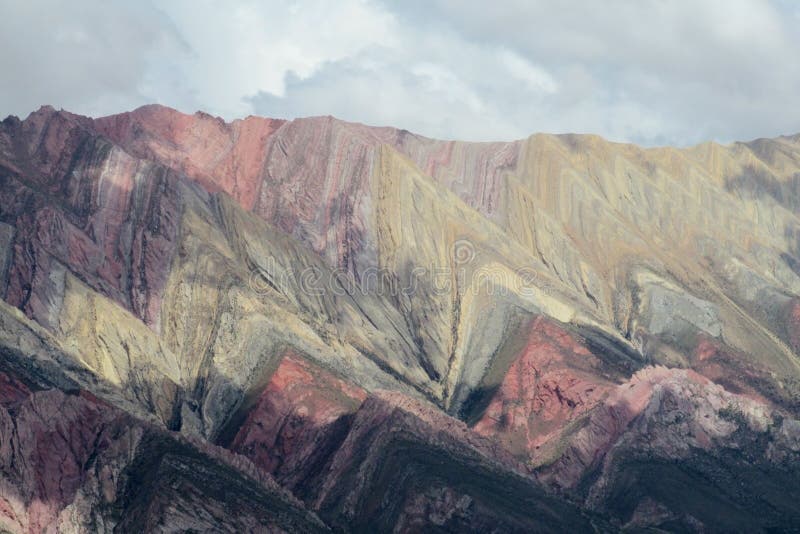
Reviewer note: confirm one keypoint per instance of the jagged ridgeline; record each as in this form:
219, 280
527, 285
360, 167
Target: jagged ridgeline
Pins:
315, 325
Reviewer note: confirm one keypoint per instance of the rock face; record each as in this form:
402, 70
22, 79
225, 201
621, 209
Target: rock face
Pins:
298, 422
309, 325
554, 380
71, 462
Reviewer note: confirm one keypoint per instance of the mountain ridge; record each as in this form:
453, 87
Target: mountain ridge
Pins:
290, 290
790, 137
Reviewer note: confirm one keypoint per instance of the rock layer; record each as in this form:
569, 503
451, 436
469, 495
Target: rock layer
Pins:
312, 324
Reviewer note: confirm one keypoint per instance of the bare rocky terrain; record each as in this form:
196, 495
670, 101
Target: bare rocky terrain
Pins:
314, 325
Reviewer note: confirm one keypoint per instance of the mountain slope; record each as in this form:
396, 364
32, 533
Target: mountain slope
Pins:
561, 315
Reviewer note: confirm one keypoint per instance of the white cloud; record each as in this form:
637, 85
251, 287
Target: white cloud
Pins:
243, 48
535, 77
649, 71
86, 57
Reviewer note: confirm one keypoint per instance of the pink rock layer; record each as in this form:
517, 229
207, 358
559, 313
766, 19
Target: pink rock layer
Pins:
221, 156
294, 415
670, 411
549, 384
310, 177
46, 440
115, 228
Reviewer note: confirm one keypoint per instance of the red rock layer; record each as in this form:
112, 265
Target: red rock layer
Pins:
715, 361
310, 177
548, 385
221, 156
294, 418
676, 410
77, 202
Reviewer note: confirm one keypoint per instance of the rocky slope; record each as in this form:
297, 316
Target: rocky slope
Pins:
308, 325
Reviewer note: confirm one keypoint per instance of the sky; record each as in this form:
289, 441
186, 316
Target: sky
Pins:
652, 72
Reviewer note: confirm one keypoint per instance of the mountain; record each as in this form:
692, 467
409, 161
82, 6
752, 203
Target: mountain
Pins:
315, 325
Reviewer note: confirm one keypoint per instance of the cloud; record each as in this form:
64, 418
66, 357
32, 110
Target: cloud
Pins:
88, 57
651, 72
383, 88
242, 48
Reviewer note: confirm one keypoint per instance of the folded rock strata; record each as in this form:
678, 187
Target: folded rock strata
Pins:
311, 324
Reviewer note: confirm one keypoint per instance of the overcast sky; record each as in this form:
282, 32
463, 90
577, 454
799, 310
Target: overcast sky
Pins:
646, 71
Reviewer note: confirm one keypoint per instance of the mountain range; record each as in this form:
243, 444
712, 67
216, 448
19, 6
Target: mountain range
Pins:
314, 325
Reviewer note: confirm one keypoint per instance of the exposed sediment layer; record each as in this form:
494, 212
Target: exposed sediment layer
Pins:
361, 328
